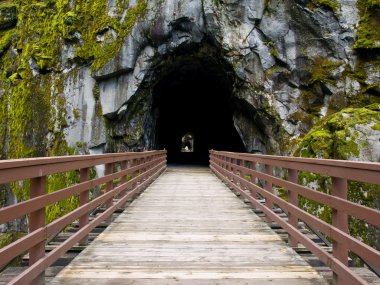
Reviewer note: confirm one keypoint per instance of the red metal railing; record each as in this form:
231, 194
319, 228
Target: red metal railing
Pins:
135, 172
233, 168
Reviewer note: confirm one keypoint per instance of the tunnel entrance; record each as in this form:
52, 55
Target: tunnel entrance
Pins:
194, 110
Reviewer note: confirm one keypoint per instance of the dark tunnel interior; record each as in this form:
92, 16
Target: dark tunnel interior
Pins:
194, 110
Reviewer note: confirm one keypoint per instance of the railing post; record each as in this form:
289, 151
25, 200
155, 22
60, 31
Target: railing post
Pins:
269, 188
293, 199
36, 221
268, 185
340, 221
232, 169
253, 181
150, 162
228, 166
123, 166
84, 197
138, 171
146, 168
143, 161
244, 185
133, 174
109, 184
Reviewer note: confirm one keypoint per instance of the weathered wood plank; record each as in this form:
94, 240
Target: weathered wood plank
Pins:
188, 228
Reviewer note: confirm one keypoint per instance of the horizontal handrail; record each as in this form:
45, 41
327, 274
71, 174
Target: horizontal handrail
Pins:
362, 212
233, 168
353, 170
19, 169
25, 207
137, 171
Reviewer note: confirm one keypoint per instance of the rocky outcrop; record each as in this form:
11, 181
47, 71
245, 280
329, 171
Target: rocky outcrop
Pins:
289, 63
351, 134
293, 62
93, 76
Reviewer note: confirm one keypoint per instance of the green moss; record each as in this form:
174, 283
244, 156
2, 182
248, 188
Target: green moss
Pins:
345, 145
318, 143
76, 113
96, 91
319, 183
338, 101
57, 182
98, 109
368, 34
70, 18
275, 69
6, 41
322, 70
14, 78
43, 27
336, 137
102, 52
368, 93
98, 105
32, 106
333, 5
8, 15
273, 50
310, 102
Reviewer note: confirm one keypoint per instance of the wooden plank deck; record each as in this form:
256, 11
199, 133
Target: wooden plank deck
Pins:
188, 228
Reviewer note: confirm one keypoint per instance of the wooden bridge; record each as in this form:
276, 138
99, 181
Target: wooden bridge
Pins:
188, 227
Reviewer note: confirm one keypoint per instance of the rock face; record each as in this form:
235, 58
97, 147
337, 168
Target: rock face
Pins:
293, 62
287, 64
268, 76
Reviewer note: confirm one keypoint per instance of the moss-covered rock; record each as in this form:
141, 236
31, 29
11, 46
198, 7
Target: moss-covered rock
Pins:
352, 134
33, 106
6, 40
368, 33
323, 70
8, 16
330, 4
347, 134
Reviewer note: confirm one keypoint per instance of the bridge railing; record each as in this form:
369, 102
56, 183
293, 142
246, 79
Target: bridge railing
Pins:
126, 174
241, 172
